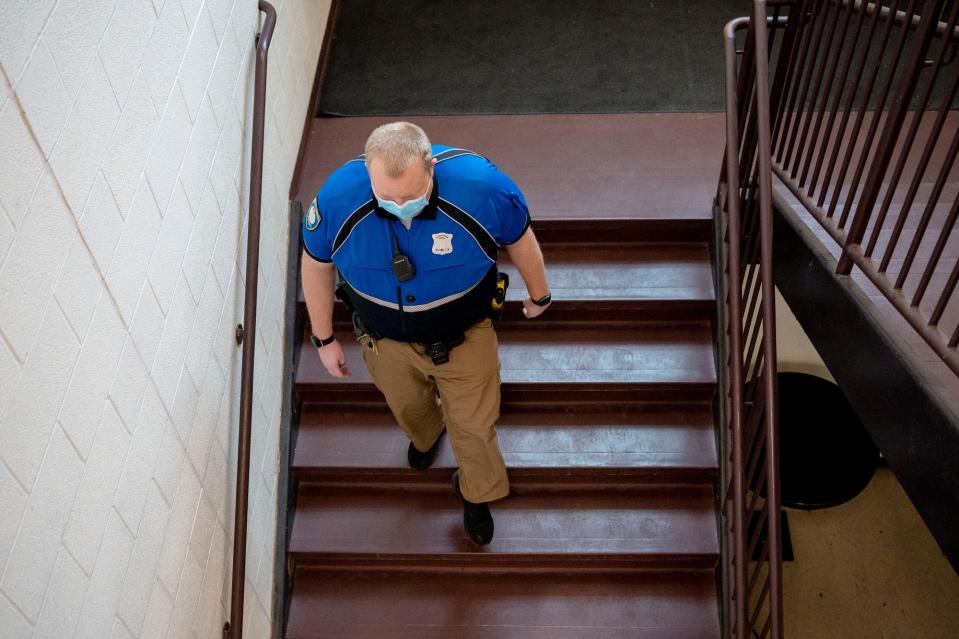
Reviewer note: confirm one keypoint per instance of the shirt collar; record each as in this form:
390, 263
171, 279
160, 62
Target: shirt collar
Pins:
428, 213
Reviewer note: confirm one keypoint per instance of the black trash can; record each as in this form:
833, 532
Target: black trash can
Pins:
826, 455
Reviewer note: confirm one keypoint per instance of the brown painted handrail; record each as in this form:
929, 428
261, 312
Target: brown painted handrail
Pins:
733, 272
233, 628
748, 395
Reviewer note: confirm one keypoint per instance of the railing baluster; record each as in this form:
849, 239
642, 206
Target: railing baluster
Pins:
752, 235
763, 479
753, 396
767, 627
754, 458
760, 565
762, 594
755, 319
940, 246
947, 292
751, 550
755, 442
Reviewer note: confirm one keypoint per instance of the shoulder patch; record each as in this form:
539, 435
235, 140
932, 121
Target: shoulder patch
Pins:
312, 216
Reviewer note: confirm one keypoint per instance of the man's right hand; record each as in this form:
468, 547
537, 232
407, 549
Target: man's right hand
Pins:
333, 359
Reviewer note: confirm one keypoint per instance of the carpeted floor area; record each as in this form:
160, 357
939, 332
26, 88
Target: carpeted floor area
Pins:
868, 569
437, 57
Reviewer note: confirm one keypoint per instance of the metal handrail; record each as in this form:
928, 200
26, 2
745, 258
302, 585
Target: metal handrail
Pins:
749, 439
233, 628
883, 152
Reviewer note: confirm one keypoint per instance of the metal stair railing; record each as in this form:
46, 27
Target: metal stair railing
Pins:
868, 147
233, 628
749, 469
861, 96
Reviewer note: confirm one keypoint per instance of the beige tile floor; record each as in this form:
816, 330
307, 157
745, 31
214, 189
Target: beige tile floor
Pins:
868, 568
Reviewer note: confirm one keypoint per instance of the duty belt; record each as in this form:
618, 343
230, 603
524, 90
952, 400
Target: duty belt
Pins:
439, 350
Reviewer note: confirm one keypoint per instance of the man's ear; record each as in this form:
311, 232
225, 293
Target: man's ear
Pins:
433, 161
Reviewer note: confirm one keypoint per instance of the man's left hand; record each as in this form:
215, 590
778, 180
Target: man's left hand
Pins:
531, 310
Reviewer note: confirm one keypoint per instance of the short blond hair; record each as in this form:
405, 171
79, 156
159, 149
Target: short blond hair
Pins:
399, 144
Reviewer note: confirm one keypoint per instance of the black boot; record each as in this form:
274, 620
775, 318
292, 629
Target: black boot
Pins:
477, 519
422, 461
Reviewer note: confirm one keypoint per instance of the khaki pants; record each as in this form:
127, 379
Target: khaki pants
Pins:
468, 386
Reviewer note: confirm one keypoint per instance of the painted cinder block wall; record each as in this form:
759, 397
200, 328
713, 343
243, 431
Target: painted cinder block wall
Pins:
125, 133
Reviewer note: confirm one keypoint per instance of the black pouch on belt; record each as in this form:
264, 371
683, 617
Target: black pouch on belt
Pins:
439, 352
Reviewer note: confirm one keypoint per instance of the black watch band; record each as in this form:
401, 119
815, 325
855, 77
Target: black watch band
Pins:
318, 343
544, 301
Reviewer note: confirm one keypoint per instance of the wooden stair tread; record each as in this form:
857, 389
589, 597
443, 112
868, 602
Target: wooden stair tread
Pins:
648, 526
554, 443
329, 604
623, 272
641, 354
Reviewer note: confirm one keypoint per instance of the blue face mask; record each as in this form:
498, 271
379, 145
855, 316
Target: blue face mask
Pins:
408, 209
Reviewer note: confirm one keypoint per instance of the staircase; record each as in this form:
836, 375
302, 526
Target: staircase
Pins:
608, 434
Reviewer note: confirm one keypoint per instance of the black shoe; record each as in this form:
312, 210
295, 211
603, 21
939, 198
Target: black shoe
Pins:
477, 519
422, 461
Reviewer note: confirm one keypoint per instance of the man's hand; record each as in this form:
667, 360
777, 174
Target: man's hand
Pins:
334, 361
527, 257
318, 284
531, 310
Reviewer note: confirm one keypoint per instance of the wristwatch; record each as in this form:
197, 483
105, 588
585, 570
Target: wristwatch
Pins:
543, 301
319, 343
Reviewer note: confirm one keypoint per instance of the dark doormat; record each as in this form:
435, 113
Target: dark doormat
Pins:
442, 57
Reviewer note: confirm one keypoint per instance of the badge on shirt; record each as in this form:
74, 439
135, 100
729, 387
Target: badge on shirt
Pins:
442, 243
312, 216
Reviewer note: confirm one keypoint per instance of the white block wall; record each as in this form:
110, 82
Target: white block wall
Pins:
125, 130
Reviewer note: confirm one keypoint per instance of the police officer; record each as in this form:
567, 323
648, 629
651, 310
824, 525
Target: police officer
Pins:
413, 230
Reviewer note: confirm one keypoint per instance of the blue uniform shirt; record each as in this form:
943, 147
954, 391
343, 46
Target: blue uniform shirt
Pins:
474, 209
